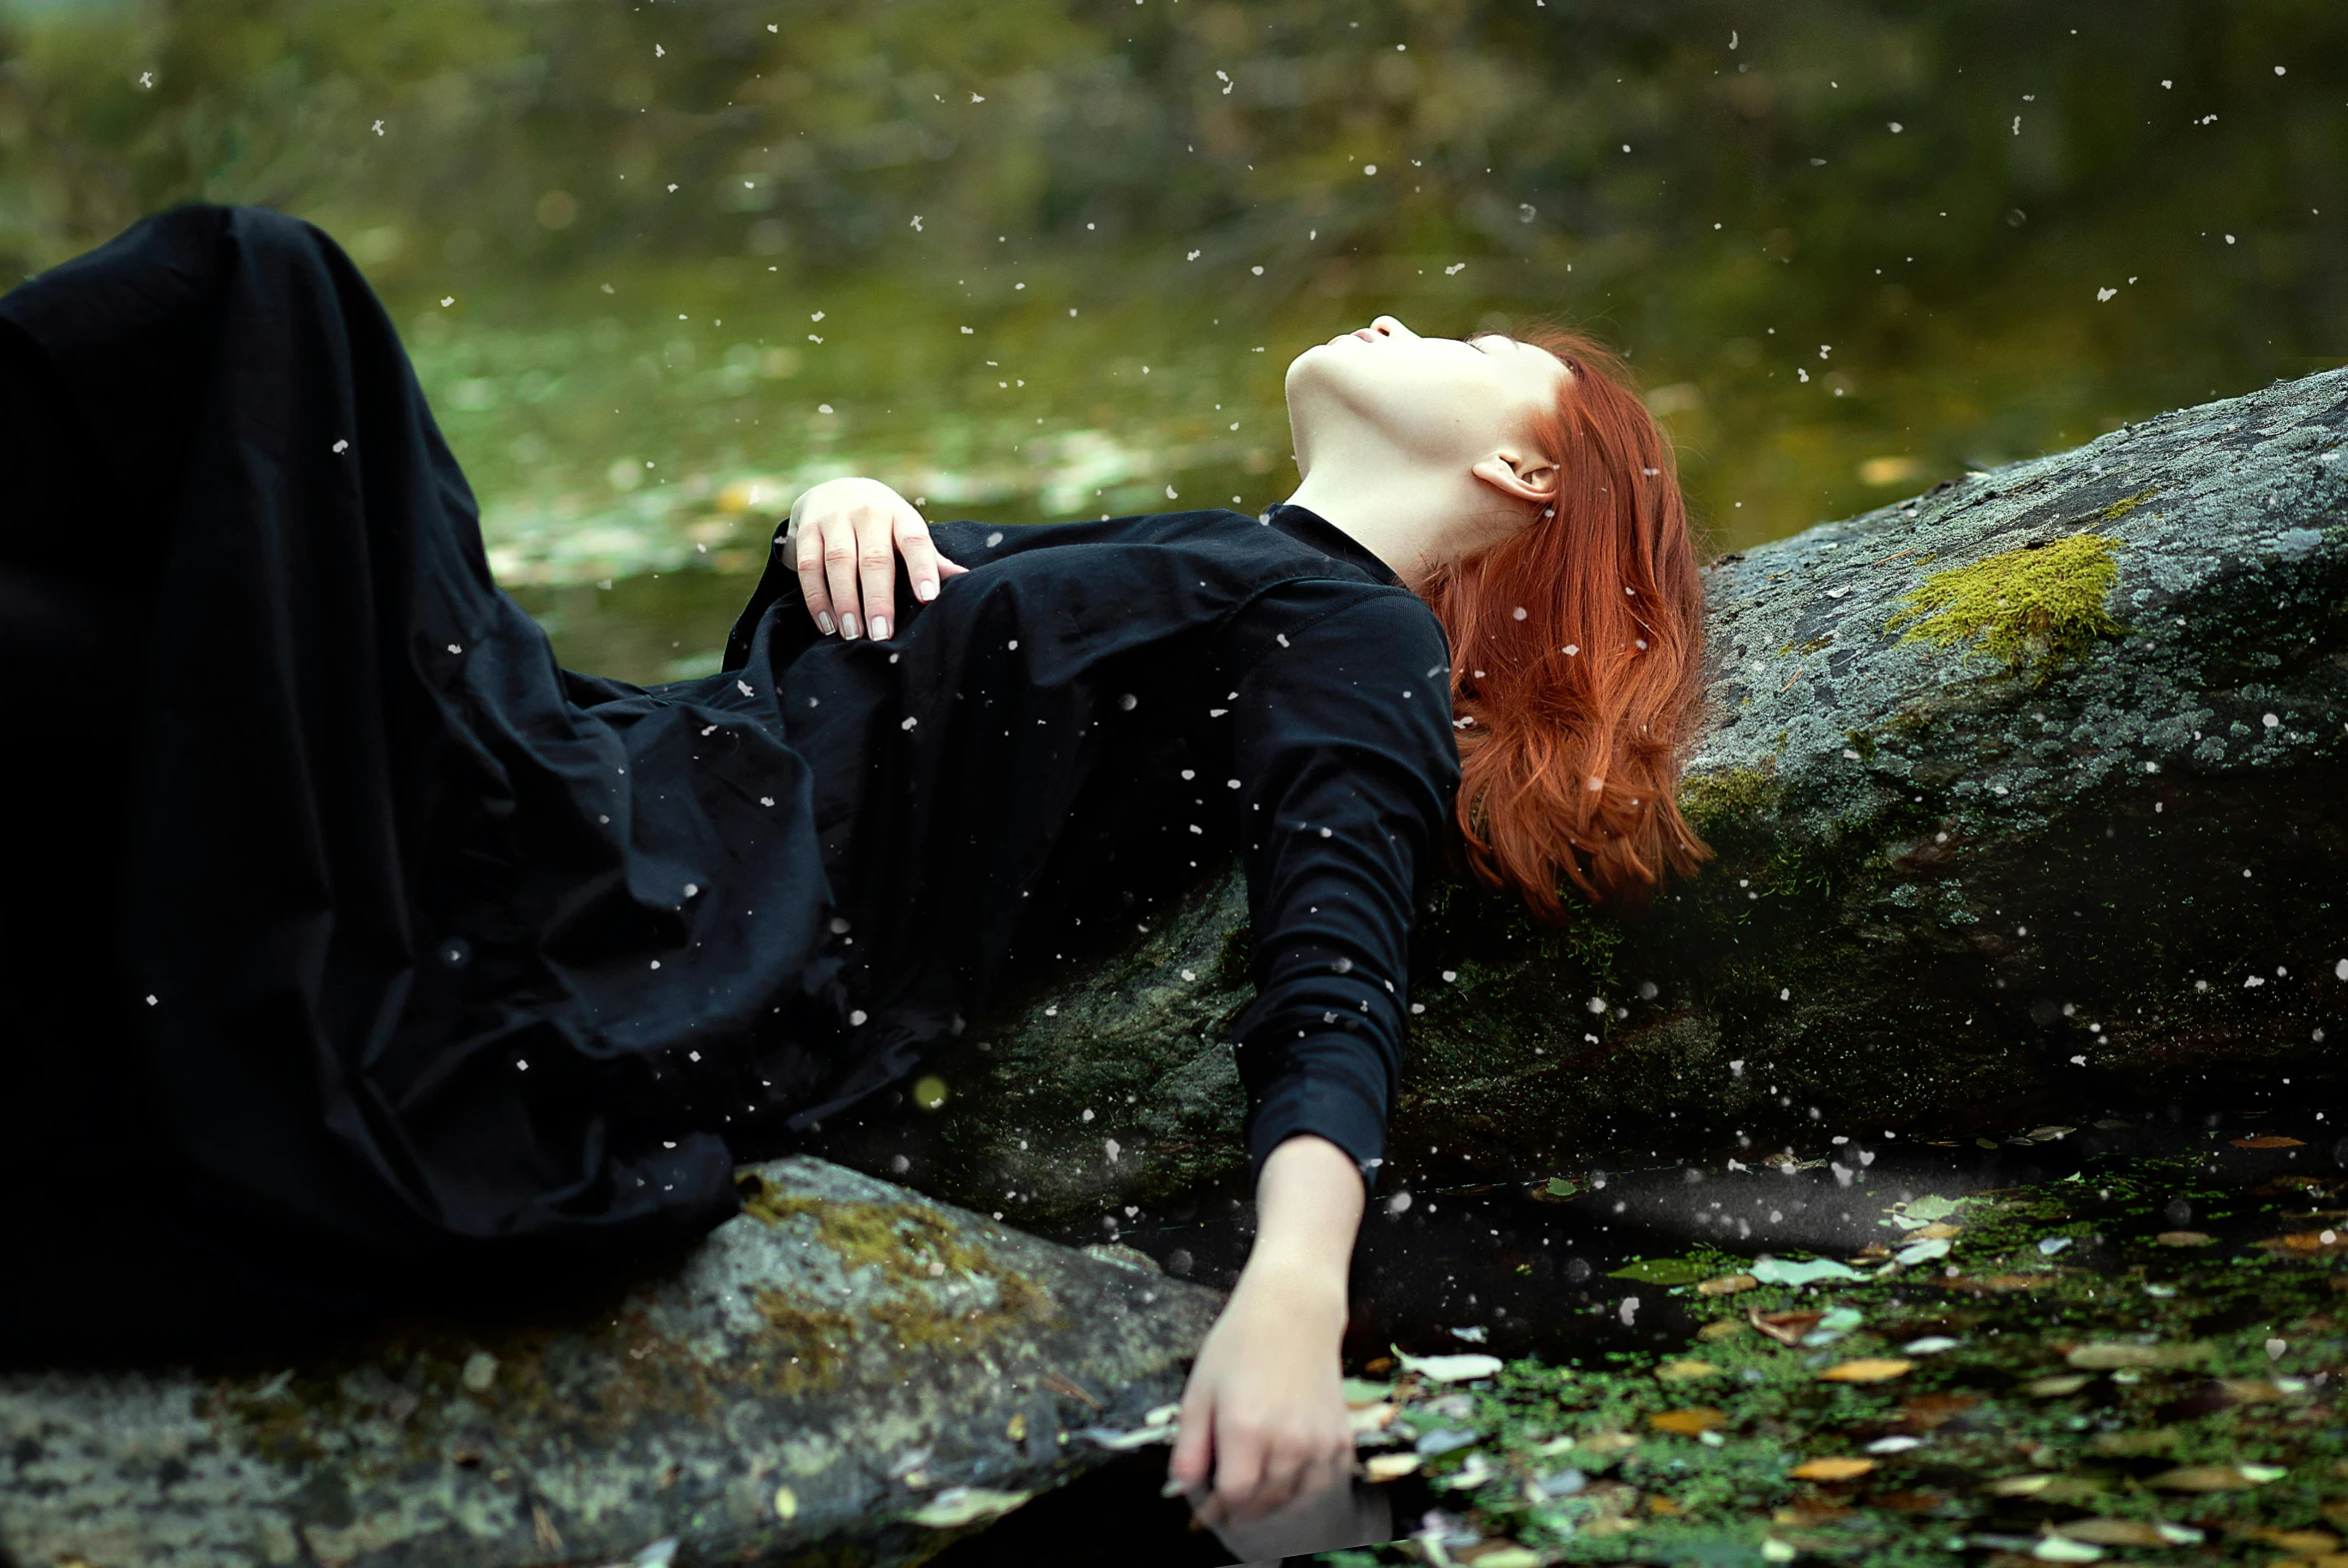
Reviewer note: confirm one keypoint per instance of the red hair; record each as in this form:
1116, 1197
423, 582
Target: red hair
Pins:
1576, 654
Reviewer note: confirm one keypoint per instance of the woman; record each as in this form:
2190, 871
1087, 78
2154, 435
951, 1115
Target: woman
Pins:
410, 967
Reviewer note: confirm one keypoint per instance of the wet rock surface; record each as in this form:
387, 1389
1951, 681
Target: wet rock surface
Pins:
2023, 791
846, 1370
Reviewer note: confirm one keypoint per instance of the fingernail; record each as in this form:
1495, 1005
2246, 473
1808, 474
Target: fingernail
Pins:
881, 629
847, 625
1173, 1489
924, 591
824, 620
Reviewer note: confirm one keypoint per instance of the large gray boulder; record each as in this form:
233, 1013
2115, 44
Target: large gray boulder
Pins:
845, 1373
2030, 790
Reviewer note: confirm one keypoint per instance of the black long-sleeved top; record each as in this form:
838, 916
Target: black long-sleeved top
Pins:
1265, 685
406, 962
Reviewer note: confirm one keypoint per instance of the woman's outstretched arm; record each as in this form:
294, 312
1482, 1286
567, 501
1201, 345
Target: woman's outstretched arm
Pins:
1263, 1418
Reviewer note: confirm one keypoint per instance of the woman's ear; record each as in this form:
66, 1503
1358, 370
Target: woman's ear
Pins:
1520, 476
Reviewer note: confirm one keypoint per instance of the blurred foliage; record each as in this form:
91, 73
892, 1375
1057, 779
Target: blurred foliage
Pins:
1851, 246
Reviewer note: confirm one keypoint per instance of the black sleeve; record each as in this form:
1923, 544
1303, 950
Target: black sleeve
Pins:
1347, 770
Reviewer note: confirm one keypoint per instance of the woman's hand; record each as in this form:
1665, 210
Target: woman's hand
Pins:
847, 533
1264, 1412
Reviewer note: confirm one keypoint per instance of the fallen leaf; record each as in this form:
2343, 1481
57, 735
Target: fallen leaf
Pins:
1866, 1370
2049, 1135
2206, 1478
961, 1505
1499, 1554
1808, 1271
2055, 1387
1986, 1283
1938, 1230
2267, 1141
1921, 1252
2020, 1485
1377, 1365
2309, 1243
1450, 1368
2301, 1543
1686, 1371
2249, 1390
1369, 1418
2062, 1549
1930, 1207
1360, 1391
1017, 1427
1392, 1467
1830, 1469
1719, 1329
1726, 1285
2184, 1238
1689, 1422
1786, 1328
2113, 1532
2105, 1357
1929, 1410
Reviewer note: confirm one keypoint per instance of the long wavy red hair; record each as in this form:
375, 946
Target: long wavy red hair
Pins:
1576, 654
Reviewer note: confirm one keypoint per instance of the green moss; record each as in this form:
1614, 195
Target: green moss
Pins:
1714, 800
2032, 609
2126, 503
909, 1245
809, 1343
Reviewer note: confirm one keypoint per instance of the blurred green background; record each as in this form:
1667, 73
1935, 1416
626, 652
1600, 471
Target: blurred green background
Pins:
660, 266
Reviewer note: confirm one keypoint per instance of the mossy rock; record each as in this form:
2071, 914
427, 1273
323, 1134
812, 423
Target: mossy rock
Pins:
2026, 787
846, 1372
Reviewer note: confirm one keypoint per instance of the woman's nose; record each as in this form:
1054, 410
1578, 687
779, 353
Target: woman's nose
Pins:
1388, 327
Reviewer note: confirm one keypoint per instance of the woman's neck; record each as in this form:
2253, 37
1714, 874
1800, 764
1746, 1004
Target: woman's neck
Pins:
1411, 520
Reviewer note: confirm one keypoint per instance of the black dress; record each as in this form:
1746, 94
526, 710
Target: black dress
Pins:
376, 958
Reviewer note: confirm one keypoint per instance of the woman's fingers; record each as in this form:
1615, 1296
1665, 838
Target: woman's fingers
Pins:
1194, 1451
847, 535
807, 559
921, 556
1238, 1470
876, 564
837, 534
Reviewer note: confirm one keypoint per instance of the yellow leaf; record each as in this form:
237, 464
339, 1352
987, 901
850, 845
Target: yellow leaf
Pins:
1686, 1371
1866, 1370
2113, 1532
2184, 1238
1689, 1422
1392, 1467
1726, 1285
2020, 1485
2104, 1357
2055, 1387
2203, 1478
1830, 1469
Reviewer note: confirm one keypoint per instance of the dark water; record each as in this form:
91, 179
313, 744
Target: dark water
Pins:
660, 266
1534, 1273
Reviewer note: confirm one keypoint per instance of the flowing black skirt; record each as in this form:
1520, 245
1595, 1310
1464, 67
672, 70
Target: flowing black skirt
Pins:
357, 946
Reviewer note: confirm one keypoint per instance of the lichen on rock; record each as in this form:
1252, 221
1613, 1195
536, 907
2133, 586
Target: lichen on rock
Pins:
834, 1375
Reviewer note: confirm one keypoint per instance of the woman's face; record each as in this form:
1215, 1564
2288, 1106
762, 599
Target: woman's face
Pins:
1441, 400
